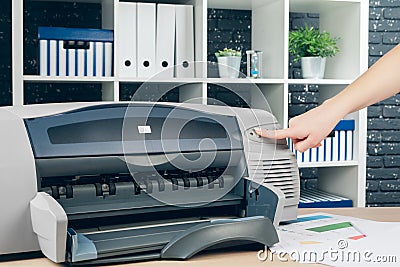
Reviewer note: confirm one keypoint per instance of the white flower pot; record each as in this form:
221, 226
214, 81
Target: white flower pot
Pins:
313, 67
229, 67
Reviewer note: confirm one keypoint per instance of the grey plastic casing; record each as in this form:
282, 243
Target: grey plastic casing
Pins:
19, 177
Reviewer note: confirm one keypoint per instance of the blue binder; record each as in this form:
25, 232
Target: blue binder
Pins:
339, 147
319, 199
75, 52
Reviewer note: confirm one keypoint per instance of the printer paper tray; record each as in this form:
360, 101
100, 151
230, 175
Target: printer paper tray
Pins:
178, 241
166, 240
144, 243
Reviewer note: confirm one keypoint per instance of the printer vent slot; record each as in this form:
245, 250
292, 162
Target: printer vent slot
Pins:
280, 173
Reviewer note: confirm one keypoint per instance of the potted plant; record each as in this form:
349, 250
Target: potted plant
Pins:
229, 63
312, 47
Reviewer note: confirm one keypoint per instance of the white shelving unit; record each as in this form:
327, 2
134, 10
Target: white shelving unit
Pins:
347, 19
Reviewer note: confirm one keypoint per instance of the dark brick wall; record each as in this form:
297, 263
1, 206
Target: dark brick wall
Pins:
227, 29
5, 53
148, 92
383, 160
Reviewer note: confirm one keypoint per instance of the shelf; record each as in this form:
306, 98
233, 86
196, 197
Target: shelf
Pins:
101, 1
348, 21
72, 79
281, 81
320, 6
45, 79
327, 164
244, 81
320, 81
78, 1
223, 4
161, 80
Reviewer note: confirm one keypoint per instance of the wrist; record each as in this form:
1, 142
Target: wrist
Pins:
336, 108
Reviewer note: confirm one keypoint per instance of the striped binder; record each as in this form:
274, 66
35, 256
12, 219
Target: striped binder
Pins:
319, 199
75, 52
336, 148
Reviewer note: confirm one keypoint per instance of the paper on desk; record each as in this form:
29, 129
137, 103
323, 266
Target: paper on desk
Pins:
317, 228
339, 240
379, 248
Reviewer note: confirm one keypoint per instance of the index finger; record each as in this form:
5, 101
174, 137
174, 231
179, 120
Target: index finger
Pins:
275, 134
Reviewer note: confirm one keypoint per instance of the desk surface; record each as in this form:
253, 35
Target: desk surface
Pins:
241, 258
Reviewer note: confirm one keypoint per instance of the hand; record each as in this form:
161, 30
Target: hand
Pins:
309, 129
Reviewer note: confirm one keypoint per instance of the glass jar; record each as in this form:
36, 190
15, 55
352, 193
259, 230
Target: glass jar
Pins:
254, 63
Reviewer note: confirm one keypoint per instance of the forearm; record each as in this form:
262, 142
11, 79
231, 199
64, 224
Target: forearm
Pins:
382, 80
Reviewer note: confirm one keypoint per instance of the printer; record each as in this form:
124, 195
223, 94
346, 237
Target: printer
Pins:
106, 182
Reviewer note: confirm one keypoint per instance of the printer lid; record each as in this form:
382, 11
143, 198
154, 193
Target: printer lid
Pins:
131, 129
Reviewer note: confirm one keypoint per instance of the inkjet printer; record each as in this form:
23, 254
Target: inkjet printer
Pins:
90, 183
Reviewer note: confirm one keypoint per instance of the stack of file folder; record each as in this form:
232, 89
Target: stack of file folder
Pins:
75, 52
319, 199
155, 39
336, 148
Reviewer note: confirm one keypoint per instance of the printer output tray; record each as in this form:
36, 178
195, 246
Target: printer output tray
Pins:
138, 241
170, 241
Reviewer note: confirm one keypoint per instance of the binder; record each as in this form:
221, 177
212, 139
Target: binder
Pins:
306, 155
70, 62
43, 65
80, 62
328, 149
146, 39
184, 48
62, 62
98, 57
349, 145
53, 57
107, 67
165, 41
126, 51
346, 130
321, 152
342, 145
75, 52
320, 199
335, 146
313, 154
89, 58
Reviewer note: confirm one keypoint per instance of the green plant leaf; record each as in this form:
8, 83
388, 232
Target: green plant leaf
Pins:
310, 42
228, 52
